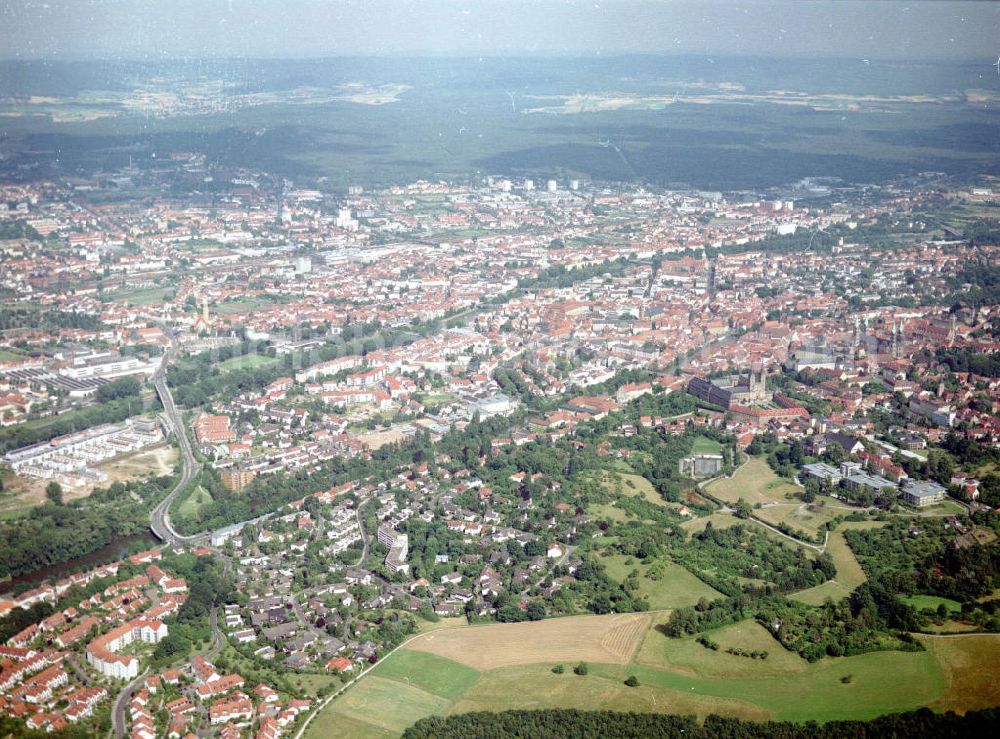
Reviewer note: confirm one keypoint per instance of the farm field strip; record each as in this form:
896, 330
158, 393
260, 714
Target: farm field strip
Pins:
678, 676
572, 639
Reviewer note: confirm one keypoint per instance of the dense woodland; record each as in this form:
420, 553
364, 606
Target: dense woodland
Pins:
208, 585
41, 319
574, 724
55, 533
930, 557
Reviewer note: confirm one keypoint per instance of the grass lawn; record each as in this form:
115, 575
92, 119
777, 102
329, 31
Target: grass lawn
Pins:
816, 596
689, 657
143, 296
704, 445
437, 675
718, 520
632, 485
636, 485
921, 602
388, 705
608, 511
983, 470
195, 502
849, 572
311, 684
628, 484
755, 482
663, 584
881, 682
233, 307
438, 399
338, 724
537, 687
808, 517
944, 508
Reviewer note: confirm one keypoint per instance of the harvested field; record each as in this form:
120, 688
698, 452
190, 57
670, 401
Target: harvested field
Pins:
970, 665
611, 638
377, 439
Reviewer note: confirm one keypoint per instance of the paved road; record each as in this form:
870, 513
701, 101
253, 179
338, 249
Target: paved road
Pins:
365, 536
121, 702
159, 519
218, 640
73, 660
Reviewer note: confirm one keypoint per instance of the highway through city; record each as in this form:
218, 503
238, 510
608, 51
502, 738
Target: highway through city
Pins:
159, 519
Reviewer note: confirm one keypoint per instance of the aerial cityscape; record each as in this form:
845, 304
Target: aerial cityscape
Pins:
398, 391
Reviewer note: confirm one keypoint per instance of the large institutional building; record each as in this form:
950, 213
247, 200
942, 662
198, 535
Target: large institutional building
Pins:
744, 389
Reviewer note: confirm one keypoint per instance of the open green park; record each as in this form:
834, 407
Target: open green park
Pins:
194, 502
755, 482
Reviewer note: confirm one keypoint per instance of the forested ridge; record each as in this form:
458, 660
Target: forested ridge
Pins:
571, 723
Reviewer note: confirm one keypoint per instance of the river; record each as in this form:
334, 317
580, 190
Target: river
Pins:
117, 549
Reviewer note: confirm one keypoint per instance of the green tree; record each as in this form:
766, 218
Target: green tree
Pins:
632, 681
940, 465
581, 669
536, 611
54, 492
742, 509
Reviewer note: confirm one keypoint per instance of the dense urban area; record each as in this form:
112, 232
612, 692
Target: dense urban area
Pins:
285, 461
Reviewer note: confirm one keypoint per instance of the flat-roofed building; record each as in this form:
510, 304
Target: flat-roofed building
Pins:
923, 493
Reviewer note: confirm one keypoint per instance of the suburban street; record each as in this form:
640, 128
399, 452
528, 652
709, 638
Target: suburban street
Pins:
121, 703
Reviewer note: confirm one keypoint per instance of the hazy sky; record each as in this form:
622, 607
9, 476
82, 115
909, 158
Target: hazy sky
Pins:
73, 29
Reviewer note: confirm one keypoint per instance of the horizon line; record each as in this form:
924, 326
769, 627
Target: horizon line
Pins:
486, 55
